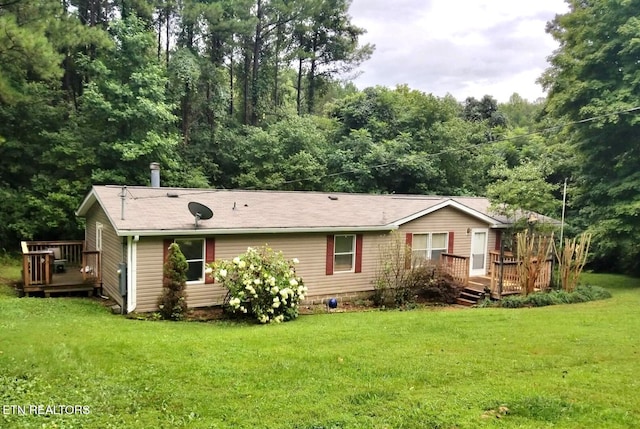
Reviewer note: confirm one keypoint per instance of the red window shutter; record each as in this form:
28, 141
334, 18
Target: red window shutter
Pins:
165, 249
451, 240
498, 239
409, 239
358, 268
210, 256
409, 242
330, 239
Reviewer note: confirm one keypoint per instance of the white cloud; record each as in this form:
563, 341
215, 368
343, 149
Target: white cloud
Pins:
461, 47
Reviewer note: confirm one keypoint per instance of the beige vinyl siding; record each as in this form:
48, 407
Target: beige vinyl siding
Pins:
450, 219
112, 253
149, 267
310, 249
149, 264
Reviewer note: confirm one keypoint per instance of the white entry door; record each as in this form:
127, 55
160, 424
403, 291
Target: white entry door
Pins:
478, 262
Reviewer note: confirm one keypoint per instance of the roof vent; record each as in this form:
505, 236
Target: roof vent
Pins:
173, 194
333, 198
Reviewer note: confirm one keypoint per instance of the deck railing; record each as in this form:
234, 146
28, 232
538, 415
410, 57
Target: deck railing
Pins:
511, 279
71, 251
91, 270
456, 266
40, 258
494, 256
36, 268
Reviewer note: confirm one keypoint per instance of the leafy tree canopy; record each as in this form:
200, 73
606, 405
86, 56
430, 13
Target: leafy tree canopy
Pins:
594, 76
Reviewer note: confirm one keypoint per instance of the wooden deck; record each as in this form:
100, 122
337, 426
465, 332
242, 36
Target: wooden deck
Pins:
483, 283
55, 267
479, 283
64, 282
488, 285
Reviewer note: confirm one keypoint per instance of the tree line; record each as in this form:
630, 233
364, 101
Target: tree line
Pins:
255, 94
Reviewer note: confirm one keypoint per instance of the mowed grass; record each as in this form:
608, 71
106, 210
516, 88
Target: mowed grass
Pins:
572, 366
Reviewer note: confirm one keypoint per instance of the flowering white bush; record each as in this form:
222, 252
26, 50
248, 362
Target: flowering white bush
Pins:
261, 283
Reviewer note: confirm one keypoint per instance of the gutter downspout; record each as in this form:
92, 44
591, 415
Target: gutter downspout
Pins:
132, 255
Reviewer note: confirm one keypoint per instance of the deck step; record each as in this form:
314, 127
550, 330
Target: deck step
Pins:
466, 302
469, 297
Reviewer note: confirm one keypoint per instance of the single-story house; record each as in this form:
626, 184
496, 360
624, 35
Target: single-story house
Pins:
335, 236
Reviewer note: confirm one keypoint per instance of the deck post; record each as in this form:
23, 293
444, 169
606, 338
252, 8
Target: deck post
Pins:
501, 278
26, 273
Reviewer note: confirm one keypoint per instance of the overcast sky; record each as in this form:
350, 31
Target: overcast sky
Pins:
461, 47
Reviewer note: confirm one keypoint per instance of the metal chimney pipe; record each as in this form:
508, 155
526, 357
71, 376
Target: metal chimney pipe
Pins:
155, 174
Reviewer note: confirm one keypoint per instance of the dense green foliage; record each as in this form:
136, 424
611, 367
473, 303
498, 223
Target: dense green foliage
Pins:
251, 94
565, 366
262, 284
595, 74
583, 293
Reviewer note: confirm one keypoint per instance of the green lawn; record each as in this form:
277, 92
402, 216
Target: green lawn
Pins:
573, 366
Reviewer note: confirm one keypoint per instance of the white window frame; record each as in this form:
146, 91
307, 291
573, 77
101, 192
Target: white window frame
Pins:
202, 260
352, 253
429, 249
99, 228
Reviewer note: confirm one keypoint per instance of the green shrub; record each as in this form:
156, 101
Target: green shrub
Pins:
593, 292
554, 297
173, 302
539, 299
434, 285
261, 284
513, 301
486, 303
426, 281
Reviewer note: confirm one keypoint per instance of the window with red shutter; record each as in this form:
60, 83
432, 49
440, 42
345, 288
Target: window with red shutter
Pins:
193, 250
344, 253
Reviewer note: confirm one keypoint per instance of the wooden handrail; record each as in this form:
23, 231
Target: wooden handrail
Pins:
36, 268
48, 242
511, 280
91, 269
457, 266
70, 250
494, 256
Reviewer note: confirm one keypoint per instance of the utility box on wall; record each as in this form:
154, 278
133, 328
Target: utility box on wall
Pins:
122, 277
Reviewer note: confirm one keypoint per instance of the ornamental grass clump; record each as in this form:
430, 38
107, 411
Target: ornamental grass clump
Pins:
262, 284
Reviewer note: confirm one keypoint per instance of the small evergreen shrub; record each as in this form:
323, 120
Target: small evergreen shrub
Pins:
173, 302
262, 284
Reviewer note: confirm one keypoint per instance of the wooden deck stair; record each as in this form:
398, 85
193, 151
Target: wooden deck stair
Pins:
474, 292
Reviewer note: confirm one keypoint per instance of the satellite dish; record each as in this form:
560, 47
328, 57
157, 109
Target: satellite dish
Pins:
200, 211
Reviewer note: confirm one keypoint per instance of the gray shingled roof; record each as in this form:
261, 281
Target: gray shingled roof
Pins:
157, 211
